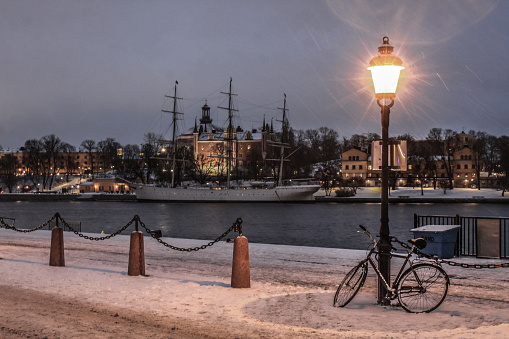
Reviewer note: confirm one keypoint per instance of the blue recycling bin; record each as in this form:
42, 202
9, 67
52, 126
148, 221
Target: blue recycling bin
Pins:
440, 239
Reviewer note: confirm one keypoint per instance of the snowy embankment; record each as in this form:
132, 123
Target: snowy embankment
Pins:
188, 294
428, 194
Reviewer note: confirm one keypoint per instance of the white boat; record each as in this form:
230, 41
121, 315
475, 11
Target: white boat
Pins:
252, 193
278, 193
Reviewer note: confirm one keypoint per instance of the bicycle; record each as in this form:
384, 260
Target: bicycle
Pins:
422, 287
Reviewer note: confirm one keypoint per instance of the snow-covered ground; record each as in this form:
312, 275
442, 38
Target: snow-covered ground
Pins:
188, 294
428, 192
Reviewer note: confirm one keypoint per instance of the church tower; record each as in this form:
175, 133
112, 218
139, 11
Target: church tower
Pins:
205, 115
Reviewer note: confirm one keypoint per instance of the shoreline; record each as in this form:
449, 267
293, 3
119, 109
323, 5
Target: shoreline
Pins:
400, 200
65, 197
6, 197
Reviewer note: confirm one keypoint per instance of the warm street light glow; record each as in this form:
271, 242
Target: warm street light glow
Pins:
385, 79
385, 69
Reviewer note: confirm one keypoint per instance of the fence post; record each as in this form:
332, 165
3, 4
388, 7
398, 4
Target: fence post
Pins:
136, 253
56, 256
240, 266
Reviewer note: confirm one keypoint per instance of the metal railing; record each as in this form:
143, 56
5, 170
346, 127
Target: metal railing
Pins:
467, 242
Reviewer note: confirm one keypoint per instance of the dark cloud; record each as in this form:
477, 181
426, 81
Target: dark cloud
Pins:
97, 69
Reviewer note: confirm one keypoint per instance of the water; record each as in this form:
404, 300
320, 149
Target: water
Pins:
321, 224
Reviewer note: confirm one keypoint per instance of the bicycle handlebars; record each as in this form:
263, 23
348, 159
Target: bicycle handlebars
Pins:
365, 231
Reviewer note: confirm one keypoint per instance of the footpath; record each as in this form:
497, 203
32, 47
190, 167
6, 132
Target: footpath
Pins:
188, 294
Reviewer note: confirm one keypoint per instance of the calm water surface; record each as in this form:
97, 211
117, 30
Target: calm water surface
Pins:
320, 224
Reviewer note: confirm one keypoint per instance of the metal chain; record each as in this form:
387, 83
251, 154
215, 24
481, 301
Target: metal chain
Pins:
29, 230
478, 266
236, 225
98, 238
449, 262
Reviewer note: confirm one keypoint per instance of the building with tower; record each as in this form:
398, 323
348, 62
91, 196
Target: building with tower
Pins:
209, 144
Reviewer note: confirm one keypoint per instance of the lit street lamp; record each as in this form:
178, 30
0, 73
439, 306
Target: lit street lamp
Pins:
385, 69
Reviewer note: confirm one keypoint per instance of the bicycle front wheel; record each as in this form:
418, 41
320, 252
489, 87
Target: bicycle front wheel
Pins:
351, 284
422, 288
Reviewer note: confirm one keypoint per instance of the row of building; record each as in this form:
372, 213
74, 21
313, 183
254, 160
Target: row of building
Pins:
210, 144
406, 170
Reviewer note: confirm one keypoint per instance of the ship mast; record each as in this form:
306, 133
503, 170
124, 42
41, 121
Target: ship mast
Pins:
283, 143
174, 143
284, 132
229, 137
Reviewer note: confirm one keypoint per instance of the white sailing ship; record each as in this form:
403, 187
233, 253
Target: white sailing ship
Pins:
254, 192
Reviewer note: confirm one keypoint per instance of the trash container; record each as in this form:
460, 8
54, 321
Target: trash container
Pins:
440, 239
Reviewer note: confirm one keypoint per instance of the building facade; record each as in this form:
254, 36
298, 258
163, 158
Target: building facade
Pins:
355, 164
212, 145
407, 170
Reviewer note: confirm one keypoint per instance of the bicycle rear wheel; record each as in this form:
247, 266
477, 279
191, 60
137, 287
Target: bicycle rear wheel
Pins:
351, 284
422, 288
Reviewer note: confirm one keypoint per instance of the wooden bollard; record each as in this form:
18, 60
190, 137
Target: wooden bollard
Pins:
56, 256
240, 267
136, 255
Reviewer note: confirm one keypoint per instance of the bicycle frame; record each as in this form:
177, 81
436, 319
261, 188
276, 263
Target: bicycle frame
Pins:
419, 286
390, 289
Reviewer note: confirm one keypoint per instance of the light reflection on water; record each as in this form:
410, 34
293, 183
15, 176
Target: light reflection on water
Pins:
320, 224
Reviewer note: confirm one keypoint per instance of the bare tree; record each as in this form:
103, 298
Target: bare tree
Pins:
52, 147
442, 143
108, 150
8, 165
503, 149
90, 147
202, 169
32, 158
329, 176
150, 149
130, 167
70, 165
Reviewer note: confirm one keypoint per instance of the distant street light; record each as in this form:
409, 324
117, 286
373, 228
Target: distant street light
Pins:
385, 69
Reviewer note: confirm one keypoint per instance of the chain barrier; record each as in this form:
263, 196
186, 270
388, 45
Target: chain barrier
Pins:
2, 223
237, 226
97, 238
448, 262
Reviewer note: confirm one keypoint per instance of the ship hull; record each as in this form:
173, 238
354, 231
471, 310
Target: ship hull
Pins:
278, 194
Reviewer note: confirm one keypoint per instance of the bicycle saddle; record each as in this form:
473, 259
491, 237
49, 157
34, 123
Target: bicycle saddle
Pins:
420, 243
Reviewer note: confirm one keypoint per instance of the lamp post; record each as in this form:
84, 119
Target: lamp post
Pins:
385, 69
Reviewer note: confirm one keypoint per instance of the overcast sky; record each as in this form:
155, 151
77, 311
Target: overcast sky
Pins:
97, 69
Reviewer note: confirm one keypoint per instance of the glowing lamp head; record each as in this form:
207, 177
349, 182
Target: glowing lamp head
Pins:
385, 69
